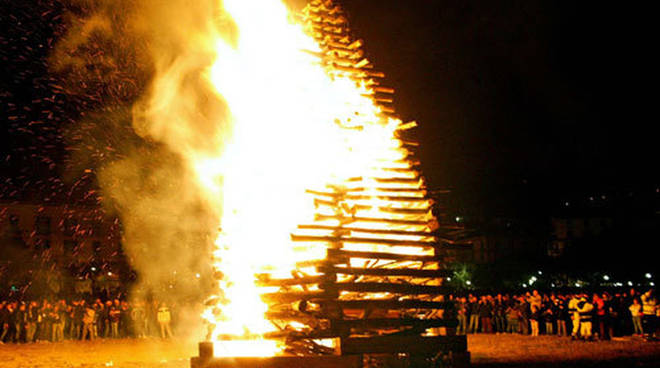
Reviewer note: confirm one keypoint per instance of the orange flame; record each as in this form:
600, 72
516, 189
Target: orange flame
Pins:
295, 127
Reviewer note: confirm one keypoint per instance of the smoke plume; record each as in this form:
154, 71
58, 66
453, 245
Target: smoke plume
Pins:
140, 67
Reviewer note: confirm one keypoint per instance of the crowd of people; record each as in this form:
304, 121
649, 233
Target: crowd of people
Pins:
578, 315
588, 316
35, 321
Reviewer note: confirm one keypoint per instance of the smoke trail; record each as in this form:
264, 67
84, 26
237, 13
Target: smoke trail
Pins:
139, 65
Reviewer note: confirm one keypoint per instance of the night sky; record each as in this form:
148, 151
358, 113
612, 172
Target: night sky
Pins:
521, 103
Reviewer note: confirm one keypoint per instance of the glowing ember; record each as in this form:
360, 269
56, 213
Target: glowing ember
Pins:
298, 129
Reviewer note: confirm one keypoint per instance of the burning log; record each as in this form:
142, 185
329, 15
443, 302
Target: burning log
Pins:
337, 239
346, 254
409, 211
365, 230
385, 272
356, 71
376, 323
295, 296
385, 287
384, 90
265, 281
346, 220
391, 198
390, 304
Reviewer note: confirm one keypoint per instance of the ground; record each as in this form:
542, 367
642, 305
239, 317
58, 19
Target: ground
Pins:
488, 351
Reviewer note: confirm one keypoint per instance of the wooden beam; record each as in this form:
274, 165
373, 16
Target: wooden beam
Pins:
264, 281
340, 253
347, 219
392, 198
293, 296
374, 323
338, 239
365, 230
389, 304
385, 272
410, 211
387, 287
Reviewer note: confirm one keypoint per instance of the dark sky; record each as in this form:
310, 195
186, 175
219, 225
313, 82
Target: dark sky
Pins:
521, 103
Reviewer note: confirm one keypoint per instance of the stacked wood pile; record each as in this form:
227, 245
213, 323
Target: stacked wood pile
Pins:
379, 288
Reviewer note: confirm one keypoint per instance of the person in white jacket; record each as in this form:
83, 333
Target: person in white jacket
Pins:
649, 310
164, 317
585, 309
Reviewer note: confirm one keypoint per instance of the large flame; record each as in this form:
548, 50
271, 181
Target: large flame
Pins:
295, 127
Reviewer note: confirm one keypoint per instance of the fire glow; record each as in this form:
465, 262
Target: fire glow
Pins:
298, 127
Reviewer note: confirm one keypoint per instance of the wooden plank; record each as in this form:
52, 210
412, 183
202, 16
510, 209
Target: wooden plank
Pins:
385, 287
389, 304
347, 219
293, 296
359, 71
397, 180
385, 271
356, 197
266, 281
343, 190
340, 253
375, 323
405, 211
425, 345
352, 239
365, 230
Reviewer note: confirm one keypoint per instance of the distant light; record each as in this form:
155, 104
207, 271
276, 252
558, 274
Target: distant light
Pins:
109, 273
540, 273
468, 282
458, 219
448, 278
524, 285
630, 283
566, 203
577, 284
93, 268
553, 285
651, 283
648, 275
197, 275
603, 196
606, 278
591, 198
618, 284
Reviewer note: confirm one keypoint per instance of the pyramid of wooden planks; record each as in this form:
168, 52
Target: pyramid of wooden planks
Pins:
379, 288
